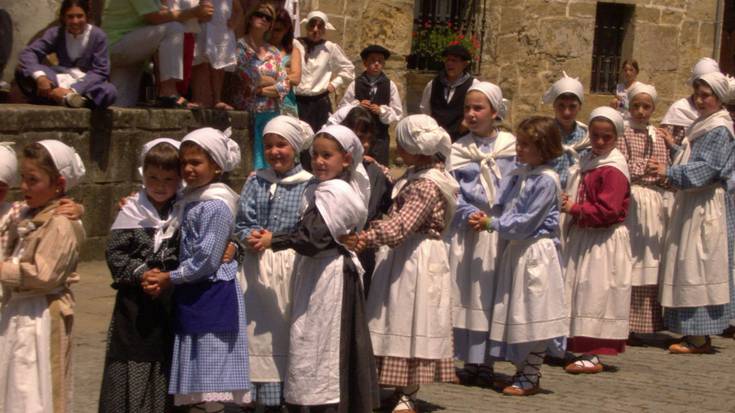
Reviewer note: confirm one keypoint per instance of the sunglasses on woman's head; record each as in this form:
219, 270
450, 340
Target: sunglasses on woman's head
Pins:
263, 16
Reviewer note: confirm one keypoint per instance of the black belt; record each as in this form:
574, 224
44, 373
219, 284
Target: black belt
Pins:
311, 98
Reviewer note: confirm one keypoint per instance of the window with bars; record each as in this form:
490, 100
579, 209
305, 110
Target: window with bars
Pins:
613, 37
440, 23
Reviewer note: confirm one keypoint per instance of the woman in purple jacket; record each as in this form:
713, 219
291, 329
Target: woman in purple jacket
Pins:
81, 77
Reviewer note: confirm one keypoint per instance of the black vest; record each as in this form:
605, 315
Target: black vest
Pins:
449, 115
381, 97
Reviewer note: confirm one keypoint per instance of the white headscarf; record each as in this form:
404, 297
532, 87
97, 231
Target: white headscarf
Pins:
564, 85
722, 85
293, 130
340, 114
8, 164
66, 160
223, 150
610, 114
321, 15
150, 144
702, 67
639, 88
493, 94
421, 135
351, 143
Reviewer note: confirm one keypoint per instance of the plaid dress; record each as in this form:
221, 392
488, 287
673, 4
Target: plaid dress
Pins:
646, 314
711, 161
418, 208
209, 366
562, 164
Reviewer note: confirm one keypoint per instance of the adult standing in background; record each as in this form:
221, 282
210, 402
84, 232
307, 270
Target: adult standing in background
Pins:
326, 68
264, 78
443, 97
292, 52
138, 30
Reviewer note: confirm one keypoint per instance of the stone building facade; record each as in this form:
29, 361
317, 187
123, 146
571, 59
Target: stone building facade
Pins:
527, 43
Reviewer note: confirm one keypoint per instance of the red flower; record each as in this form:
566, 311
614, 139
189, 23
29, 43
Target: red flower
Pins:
427, 24
454, 43
461, 37
449, 24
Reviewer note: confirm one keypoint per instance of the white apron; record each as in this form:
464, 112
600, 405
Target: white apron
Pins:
267, 285
695, 272
529, 298
473, 256
646, 222
312, 376
25, 354
408, 307
597, 278
473, 259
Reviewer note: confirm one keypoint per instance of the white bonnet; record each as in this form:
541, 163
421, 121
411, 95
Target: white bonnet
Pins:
296, 132
641, 87
223, 150
66, 160
564, 85
421, 135
610, 114
8, 164
493, 94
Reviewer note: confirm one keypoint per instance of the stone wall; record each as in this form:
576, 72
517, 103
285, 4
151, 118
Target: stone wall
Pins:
530, 42
109, 143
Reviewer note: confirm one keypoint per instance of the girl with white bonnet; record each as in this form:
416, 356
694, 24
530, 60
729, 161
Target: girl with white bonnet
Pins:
641, 143
478, 161
567, 96
210, 352
697, 285
330, 362
38, 311
683, 112
409, 305
596, 255
269, 203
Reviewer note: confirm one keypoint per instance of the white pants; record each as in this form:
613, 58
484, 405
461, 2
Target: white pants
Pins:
128, 55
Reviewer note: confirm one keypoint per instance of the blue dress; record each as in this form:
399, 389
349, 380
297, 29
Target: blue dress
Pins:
279, 213
209, 362
711, 161
471, 345
561, 164
527, 213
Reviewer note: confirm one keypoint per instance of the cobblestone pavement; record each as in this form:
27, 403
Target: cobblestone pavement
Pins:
644, 379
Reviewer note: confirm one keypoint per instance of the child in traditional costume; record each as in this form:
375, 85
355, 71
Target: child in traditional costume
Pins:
597, 257
38, 310
330, 361
362, 123
696, 281
641, 143
269, 203
478, 162
529, 315
373, 91
210, 356
409, 306
140, 337
567, 95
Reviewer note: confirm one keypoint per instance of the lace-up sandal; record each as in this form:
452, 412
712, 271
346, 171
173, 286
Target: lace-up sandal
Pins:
585, 364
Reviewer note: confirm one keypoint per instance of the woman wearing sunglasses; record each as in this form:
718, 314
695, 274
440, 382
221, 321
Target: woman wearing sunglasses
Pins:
264, 78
